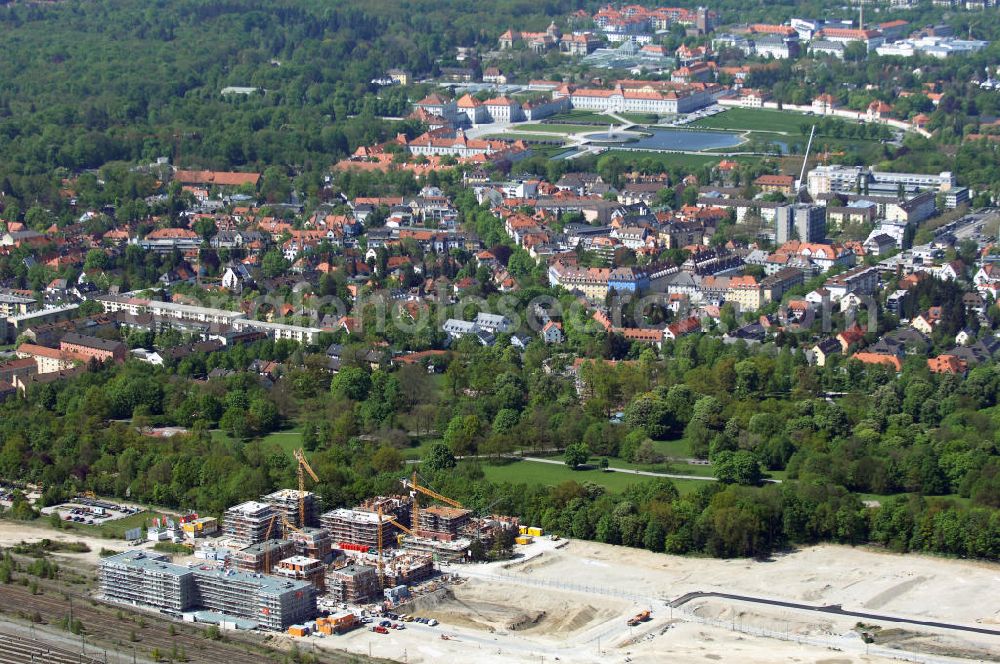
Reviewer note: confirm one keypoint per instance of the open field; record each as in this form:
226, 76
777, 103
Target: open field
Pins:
288, 439
527, 472
554, 128
755, 120
580, 116
859, 578
641, 118
526, 136
673, 448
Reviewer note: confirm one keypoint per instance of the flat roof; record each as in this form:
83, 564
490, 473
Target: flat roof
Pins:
16, 299
160, 563
354, 570
270, 585
287, 493
250, 507
353, 515
153, 562
44, 312
206, 311
266, 545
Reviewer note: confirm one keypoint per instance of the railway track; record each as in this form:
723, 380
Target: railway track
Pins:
19, 650
101, 626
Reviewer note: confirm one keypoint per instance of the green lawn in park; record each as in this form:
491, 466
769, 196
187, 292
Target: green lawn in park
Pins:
553, 128
547, 474
752, 119
580, 116
287, 439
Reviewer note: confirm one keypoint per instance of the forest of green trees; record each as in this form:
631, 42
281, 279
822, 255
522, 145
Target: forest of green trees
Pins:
924, 446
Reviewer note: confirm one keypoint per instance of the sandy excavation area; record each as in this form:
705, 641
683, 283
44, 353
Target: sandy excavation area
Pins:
12, 533
512, 609
857, 578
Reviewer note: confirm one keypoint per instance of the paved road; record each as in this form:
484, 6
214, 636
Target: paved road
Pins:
647, 473
834, 609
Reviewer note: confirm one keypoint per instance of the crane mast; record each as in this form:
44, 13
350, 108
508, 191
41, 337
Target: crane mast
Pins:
301, 468
805, 161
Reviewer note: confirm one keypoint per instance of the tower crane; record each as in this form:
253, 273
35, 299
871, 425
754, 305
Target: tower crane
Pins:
302, 467
805, 161
415, 488
399, 538
267, 549
381, 566
288, 524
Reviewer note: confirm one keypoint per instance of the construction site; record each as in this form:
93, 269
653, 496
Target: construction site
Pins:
376, 554
556, 600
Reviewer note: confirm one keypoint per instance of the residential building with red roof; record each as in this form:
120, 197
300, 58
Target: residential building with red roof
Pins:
947, 364
682, 328
875, 358
216, 178
781, 184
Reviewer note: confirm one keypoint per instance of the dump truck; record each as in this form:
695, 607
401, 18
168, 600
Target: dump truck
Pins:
638, 618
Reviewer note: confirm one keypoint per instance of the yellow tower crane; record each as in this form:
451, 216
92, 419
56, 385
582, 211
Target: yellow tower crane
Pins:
267, 549
301, 468
415, 488
381, 567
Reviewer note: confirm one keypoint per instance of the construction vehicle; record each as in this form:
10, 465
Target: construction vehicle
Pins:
638, 618
415, 488
302, 467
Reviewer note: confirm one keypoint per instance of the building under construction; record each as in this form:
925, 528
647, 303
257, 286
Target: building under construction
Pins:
312, 543
397, 508
260, 558
358, 527
302, 568
151, 581
443, 523
286, 501
354, 584
249, 523
449, 551
405, 568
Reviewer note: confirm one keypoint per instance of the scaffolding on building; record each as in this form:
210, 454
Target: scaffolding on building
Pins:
248, 523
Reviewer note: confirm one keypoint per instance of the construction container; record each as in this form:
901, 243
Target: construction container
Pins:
524, 539
535, 532
298, 630
522, 530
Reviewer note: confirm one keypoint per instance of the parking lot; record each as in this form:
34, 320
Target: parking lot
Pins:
90, 511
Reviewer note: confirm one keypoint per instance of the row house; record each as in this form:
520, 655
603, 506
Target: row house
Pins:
102, 350
168, 240
237, 239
